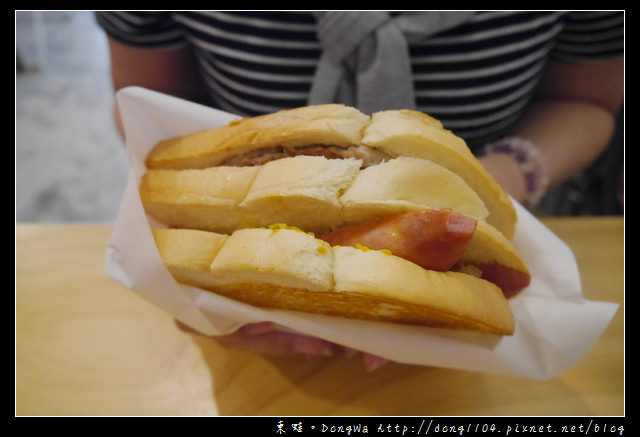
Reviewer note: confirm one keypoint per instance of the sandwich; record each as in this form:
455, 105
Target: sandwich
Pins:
324, 209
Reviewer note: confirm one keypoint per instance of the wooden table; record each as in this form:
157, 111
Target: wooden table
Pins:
85, 345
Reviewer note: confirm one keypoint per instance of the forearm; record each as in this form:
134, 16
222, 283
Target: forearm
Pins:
570, 134
167, 70
571, 122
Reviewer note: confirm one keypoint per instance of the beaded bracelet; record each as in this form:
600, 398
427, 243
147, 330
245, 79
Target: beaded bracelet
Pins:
531, 162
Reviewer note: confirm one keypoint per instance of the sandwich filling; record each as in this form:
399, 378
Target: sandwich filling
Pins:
434, 239
367, 155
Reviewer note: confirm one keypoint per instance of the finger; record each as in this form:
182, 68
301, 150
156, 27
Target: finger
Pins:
373, 362
349, 353
277, 343
258, 328
312, 346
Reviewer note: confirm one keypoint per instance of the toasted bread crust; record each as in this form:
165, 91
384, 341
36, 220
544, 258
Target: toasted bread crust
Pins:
413, 133
330, 124
293, 270
316, 194
395, 133
310, 192
224, 247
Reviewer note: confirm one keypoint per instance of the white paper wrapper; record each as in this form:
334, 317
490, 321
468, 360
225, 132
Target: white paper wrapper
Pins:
555, 325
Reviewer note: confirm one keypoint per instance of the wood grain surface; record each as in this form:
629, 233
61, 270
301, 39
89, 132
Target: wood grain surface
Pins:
85, 345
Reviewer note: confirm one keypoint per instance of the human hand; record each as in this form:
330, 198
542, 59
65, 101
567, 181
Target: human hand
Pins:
266, 339
507, 172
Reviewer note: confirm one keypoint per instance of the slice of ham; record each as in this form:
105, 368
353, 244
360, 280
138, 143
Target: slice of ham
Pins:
432, 238
511, 281
435, 239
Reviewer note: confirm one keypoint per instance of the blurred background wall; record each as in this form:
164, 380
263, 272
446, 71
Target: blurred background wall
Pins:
71, 164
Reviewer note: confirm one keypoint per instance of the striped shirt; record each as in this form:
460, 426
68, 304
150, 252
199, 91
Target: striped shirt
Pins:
477, 78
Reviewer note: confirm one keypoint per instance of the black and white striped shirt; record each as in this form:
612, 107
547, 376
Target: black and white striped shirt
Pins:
477, 78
